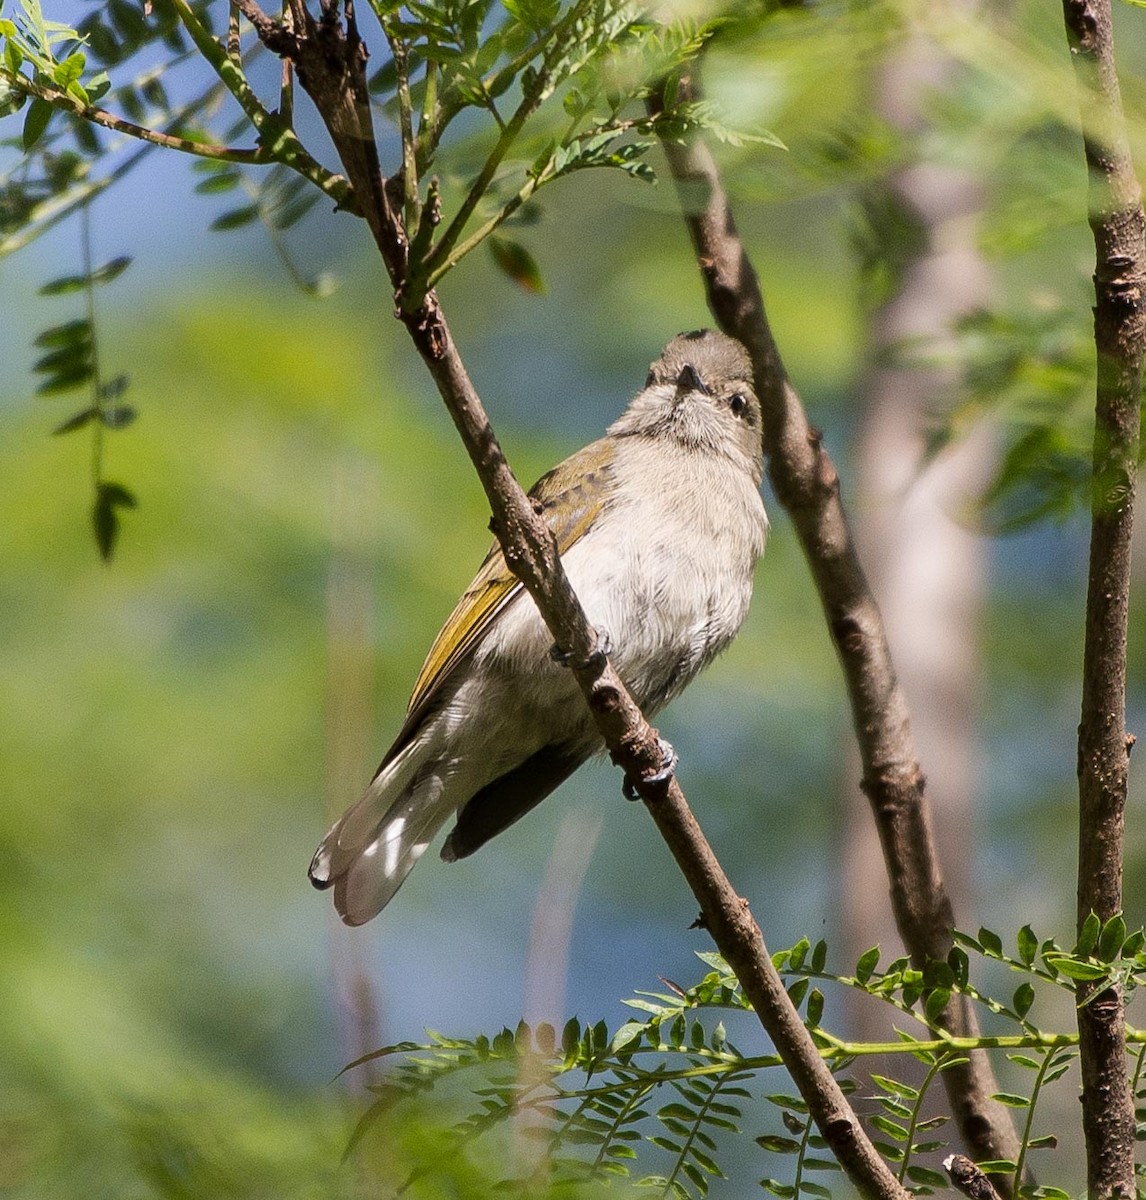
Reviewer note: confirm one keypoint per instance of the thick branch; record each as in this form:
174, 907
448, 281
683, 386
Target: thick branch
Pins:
276, 137
1116, 220
806, 484
330, 66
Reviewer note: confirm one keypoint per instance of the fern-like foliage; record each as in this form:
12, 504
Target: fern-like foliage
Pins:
659, 1100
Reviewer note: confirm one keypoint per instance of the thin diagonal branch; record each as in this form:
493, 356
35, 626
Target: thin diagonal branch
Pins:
60, 99
331, 67
526, 107
52, 211
530, 552
1116, 219
806, 484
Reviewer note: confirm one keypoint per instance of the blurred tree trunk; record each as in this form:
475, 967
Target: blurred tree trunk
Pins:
349, 706
551, 931
925, 567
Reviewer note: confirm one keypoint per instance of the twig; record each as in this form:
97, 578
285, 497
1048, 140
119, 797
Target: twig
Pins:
60, 99
399, 52
533, 181
436, 117
806, 484
542, 172
528, 104
332, 70
1116, 220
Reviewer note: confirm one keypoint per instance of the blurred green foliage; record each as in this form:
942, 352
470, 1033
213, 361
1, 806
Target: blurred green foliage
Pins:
163, 747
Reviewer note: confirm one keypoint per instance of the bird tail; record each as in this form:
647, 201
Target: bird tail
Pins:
371, 849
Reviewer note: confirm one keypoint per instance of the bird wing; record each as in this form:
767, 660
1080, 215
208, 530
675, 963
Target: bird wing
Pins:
571, 497
495, 807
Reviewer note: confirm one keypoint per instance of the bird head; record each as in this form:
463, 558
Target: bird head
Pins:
700, 394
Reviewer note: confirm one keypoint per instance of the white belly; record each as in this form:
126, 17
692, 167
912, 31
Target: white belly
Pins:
668, 577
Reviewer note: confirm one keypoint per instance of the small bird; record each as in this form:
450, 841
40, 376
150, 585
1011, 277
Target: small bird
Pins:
659, 525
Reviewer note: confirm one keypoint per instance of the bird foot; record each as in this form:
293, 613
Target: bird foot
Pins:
602, 648
669, 760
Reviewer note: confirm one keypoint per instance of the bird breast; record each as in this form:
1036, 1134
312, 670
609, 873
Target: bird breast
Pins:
667, 570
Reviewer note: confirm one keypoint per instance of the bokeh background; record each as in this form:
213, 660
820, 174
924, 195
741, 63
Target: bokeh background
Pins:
176, 728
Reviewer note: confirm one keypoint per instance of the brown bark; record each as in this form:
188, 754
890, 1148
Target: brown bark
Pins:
967, 1177
1116, 220
330, 61
807, 485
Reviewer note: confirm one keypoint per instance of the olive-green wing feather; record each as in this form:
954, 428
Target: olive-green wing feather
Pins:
571, 497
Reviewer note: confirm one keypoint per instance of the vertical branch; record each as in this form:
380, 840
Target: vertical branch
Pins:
1116, 220
806, 484
234, 45
925, 567
399, 51
286, 77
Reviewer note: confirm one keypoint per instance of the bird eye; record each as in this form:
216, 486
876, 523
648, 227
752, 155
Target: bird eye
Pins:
738, 402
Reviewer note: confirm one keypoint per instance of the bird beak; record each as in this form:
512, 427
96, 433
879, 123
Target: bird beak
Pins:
689, 380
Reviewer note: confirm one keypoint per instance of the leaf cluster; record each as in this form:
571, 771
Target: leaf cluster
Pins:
558, 85
504, 62
69, 360
670, 1082
48, 63
589, 1099
600, 57
1031, 373
59, 76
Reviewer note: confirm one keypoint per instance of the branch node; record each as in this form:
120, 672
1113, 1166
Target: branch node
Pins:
849, 634
841, 1128
666, 771
424, 323
967, 1177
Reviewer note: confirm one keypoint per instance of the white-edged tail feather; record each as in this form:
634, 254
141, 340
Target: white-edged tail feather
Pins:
371, 849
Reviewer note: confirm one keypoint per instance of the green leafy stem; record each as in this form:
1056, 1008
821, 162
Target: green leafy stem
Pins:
594, 1090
